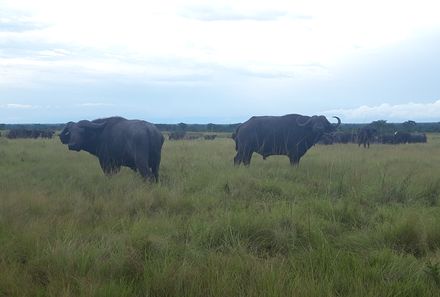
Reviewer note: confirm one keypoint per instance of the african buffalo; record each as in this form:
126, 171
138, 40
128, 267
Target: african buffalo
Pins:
210, 137
343, 137
417, 138
401, 137
118, 142
386, 138
291, 135
177, 135
366, 135
26, 133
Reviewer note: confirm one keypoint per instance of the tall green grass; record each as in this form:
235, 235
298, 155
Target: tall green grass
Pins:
345, 222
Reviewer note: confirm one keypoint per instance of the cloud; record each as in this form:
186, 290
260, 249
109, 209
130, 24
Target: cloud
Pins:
94, 104
256, 37
391, 113
16, 106
206, 13
53, 53
19, 24
284, 55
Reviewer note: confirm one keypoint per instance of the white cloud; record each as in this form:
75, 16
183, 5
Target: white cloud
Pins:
273, 37
52, 53
391, 113
16, 106
47, 66
94, 104
262, 56
223, 12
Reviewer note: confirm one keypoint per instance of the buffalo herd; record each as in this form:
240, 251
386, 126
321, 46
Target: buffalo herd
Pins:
181, 135
137, 144
365, 136
29, 133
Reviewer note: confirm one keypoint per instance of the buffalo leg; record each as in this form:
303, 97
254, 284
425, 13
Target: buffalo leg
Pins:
238, 158
247, 158
294, 160
243, 156
155, 168
143, 168
108, 167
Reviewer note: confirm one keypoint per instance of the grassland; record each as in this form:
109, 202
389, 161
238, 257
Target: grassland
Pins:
346, 222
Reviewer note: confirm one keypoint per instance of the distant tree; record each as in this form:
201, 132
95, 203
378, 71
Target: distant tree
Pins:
382, 127
409, 126
210, 127
182, 126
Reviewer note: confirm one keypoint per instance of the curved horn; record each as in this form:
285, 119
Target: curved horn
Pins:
68, 125
339, 122
305, 123
88, 124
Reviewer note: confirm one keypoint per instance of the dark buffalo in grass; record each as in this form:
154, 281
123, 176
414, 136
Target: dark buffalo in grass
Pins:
290, 135
177, 135
386, 138
417, 138
29, 133
118, 142
401, 137
343, 137
366, 135
210, 137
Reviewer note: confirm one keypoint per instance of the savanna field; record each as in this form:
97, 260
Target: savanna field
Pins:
346, 222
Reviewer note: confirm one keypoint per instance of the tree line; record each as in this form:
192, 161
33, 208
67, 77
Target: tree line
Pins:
382, 127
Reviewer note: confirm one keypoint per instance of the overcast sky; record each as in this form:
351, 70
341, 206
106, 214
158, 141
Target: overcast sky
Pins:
197, 61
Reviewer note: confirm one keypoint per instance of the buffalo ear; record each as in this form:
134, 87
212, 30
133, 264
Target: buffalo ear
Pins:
64, 137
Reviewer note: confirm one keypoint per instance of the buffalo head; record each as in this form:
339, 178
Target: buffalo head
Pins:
76, 135
320, 124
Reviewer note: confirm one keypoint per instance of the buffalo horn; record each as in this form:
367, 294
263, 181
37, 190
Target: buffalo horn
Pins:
339, 122
305, 123
88, 124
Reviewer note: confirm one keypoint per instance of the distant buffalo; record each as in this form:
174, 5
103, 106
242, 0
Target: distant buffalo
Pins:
193, 137
366, 135
177, 135
401, 137
118, 142
47, 134
386, 138
210, 137
291, 135
417, 138
29, 133
343, 137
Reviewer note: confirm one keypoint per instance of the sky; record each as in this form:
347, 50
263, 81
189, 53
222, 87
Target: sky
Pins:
197, 61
